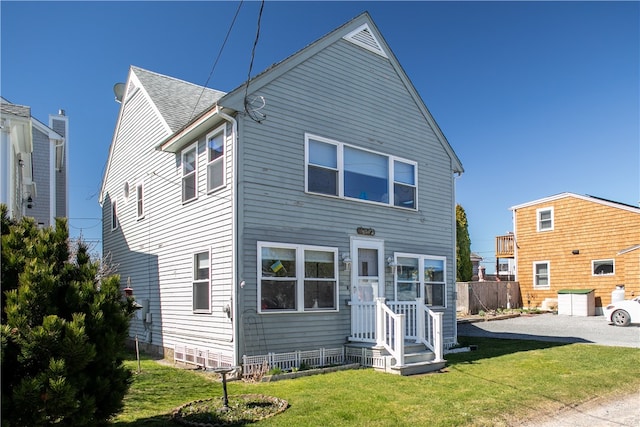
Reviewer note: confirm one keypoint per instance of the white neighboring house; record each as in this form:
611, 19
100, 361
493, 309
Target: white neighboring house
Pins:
33, 161
312, 211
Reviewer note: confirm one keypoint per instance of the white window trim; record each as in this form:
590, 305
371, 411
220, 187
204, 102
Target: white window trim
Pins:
114, 215
553, 221
421, 280
140, 215
299, 278
535, 285
220, 130
613, 263
195, 172
340, 168
193, 282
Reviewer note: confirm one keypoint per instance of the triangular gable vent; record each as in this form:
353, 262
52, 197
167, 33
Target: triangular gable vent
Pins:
363, 37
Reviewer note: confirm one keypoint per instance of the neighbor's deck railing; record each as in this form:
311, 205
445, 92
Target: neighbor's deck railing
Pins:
505, 246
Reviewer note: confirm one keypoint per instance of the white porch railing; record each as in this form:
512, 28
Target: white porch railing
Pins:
380, 323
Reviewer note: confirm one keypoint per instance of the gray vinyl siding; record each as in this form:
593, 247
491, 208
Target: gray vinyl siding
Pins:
60, 176
353, 96
157, 252
42, 175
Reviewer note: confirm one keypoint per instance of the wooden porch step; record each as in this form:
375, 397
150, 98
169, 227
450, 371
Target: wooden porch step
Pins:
418, 359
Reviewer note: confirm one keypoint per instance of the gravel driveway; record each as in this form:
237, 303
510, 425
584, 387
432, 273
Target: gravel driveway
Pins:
618, 411
556, 328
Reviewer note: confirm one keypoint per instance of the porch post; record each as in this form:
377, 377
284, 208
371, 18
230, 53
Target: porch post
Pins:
420, 320
437, 336
380, 332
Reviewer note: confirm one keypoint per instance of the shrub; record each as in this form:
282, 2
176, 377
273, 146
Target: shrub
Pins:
63, 331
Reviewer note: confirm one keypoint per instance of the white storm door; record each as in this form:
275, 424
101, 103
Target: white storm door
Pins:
367, 275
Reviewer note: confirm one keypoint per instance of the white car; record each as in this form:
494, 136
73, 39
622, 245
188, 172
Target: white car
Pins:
622, 313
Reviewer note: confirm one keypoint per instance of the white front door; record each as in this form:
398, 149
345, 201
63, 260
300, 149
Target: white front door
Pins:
367, 276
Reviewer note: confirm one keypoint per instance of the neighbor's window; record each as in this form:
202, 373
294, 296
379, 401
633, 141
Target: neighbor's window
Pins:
297, 277
140, 200
189, 178
201, 287
341, 170
215, 156
114, 215
545, 219
541, 275
603, 267
421, 276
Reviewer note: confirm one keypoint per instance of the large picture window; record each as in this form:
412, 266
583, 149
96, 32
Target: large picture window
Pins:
189, 168
337, 169
421, 276
215, 158
201, 284
297, 277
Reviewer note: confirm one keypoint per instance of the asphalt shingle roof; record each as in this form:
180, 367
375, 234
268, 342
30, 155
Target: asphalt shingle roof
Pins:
175, 98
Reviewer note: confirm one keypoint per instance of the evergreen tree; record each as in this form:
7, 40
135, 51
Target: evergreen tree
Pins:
463, 247
63, 332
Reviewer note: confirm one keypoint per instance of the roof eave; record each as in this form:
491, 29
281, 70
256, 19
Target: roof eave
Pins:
188, 133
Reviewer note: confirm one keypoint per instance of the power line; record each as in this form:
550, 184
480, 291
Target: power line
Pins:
215, 63
252, 114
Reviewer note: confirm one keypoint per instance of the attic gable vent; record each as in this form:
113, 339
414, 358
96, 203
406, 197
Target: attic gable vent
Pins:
363, 37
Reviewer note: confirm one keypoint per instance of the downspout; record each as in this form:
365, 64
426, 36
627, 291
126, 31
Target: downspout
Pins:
234, 229
455, 262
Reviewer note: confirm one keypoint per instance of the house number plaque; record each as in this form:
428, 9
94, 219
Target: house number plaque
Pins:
364, 231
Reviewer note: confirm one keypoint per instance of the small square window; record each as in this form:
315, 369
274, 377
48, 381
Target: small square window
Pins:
603, 267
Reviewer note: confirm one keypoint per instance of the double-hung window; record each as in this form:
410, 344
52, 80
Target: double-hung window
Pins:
297, 278
215, 158
189, 169
541, 276
341, 170
421, 276
201, 284
545, 219
140, 201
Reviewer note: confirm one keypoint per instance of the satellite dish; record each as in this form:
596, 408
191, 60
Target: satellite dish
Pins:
118, 90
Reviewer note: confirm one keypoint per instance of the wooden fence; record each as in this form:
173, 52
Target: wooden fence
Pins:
472, 297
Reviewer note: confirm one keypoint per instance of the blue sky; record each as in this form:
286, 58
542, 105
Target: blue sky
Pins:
536, 98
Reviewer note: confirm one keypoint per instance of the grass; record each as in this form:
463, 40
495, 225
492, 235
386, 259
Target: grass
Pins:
502, 383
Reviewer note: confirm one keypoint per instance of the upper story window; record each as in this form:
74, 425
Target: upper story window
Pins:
603, 267
421, 276
189, 173
140, 200
215, 158
545, 219
201, 286
297, 278
114, 215
541, 275
337, 169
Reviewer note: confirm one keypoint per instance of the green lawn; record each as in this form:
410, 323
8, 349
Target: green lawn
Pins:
503, 382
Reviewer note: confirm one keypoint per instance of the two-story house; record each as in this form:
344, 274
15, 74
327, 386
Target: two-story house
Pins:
312, 208
573, 242
33, 164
